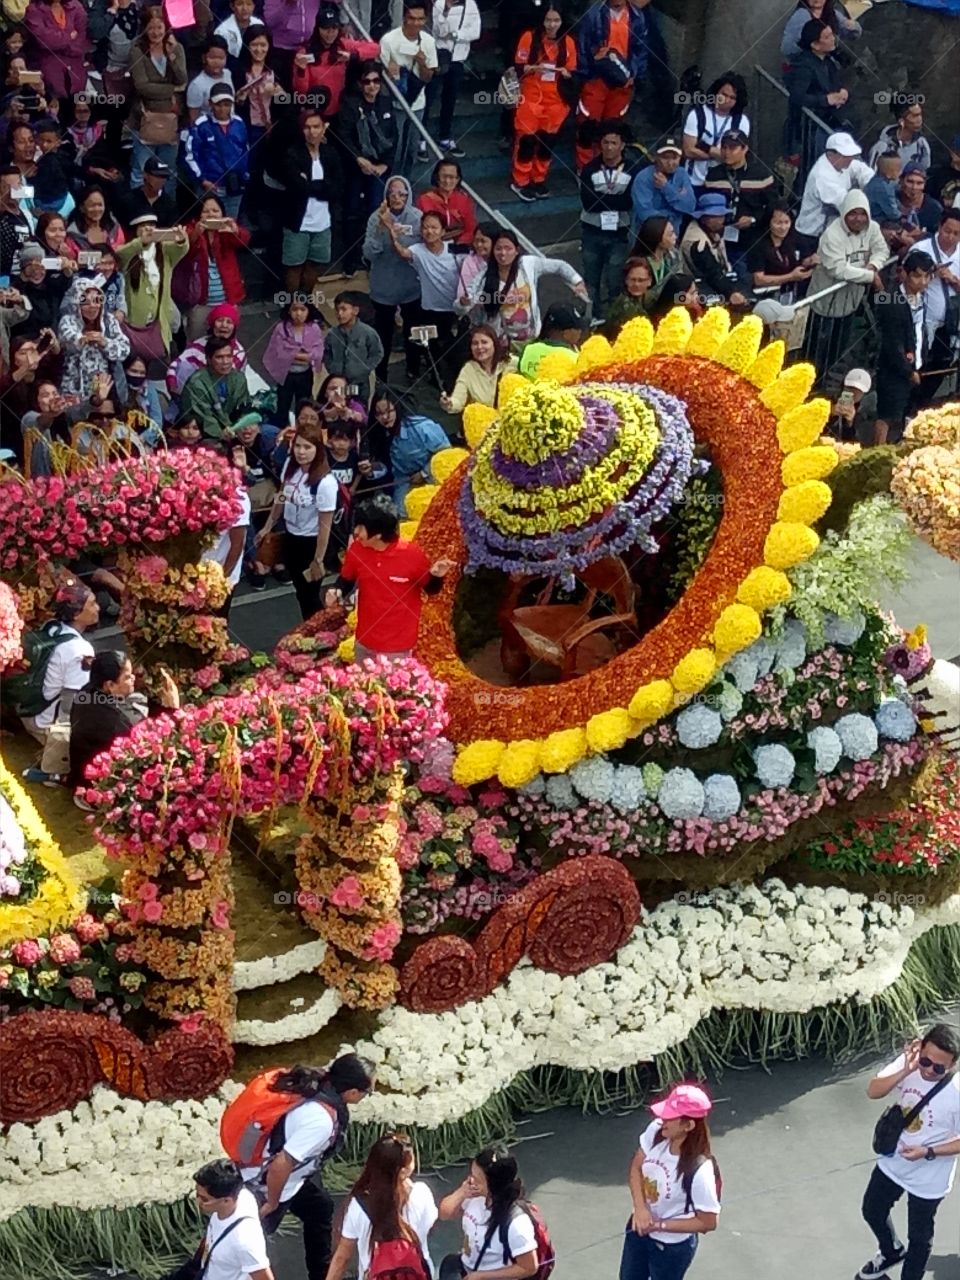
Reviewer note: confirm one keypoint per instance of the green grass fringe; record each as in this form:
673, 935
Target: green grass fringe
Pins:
62, 1244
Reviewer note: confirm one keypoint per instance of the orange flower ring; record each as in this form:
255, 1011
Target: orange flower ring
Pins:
727, 415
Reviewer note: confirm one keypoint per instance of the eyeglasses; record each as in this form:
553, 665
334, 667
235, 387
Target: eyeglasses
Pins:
928, 1064
370, 80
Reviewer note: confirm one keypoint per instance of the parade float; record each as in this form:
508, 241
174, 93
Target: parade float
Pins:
662, 790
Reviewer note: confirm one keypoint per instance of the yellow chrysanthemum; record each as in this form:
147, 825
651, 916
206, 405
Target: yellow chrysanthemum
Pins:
476, 420
408, 529
917, 637
594, 353
737, 626
478, 761
673, 333
558, 366
803, 425
766, 368
520, 763
787, 544
541, 419
510, 383
652, 701
740, 347
561, 750
352, 615
609, 729
808, 464
709, 333
635, 340
764, 587
419, 499
347, 649
805, 503
445, 463
694, 671
790, 389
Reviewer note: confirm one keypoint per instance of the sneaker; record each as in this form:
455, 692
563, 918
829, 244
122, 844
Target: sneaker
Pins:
54, 780
281, 573
34, 774
524, 193
879, 1266
541, 191
451, 148
422, 150
258, 581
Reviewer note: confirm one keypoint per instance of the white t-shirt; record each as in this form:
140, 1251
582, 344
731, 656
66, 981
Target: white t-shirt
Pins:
824, 192
302, 505
229, 29
420, 1213
65, 670
221, 548
244, 1250
663, 1184
198, 90
938, 290
476, 1218
316, 216
395, 47
439, 275
938, 1122
308, 1131
714, 127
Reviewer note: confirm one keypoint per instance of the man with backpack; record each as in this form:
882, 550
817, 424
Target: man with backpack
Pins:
59, 658
611, 60
233, 1246
918, 1141
282, 1130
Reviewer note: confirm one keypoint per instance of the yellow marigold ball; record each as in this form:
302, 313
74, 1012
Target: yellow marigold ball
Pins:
764, 587
509, 383
608, 730
790, 389
740, 347
558, 366
803, 425
766, 368
346, 649
709, 333
520, 763
635, 340
673, 333
476, 420
445, 463
737, 626
408, 529
652, 701
478, 761
808, 464
419, 499
694, 671
805, 503
787, 544
596, 351
562, 749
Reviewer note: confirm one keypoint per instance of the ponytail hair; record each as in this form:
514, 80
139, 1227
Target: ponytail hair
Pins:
505, 1186
346, 1073
381, 1190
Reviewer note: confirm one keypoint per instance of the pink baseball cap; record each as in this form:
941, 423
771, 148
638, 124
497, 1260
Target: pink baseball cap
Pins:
683, 1100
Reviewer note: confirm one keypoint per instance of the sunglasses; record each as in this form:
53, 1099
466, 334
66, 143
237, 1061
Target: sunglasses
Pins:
100, 417
928, 1064
370, 80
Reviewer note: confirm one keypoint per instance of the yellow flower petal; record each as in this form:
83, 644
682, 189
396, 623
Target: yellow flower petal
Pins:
419, 499
561, 750
520, 763
694, 671
803, 425
673, 333
737, 626
558, 366
509, 383
787, 544
596, 351
445, 463
408, 529
635, 340
652, 701
478, 761
346, 649
709, 333
609, 729
808, 464
476, 420
740, 348
766, 368
790, 389
764, 587
805, 503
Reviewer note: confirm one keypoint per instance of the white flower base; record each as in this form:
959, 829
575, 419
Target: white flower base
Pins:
248, 975
298, 1025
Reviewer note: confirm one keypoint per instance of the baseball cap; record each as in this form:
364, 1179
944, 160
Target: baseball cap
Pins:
669, 144
712, 205
252, 419
859, 379
734, 138
6, 455
142, 219
844, 144
913, 168
561, 316
328, 15
683, 1100
157, 169
221, 91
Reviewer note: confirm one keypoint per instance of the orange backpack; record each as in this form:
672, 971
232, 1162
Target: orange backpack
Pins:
249, 1120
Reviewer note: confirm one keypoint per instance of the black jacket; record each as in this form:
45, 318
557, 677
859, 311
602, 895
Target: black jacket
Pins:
370, 130
810, 79
749, 192
295, 174
95, 722
599, 196
898, 338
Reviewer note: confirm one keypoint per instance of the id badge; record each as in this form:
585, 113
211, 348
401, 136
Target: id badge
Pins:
731, 234
548, 72
609, 220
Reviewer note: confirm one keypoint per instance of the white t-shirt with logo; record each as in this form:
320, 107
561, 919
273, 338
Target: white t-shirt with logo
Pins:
221, 548
302, 505
395, 47
419, 1213
316, 216
714, 127
67, 668
938, 1122
244, 1250
308, 1130
476, 1218
663, 1184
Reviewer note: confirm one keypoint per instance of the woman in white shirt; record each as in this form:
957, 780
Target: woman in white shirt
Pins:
490, 1202
507, 291
307, 501
674, 1188
385, 1206
723, 108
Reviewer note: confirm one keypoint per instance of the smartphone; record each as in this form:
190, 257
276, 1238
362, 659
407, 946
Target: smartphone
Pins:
87, 258
310, 59
22, 193
52, 264
44, 341
217, 224
845, 399
165, 235
424, 333
353, 390
29, 77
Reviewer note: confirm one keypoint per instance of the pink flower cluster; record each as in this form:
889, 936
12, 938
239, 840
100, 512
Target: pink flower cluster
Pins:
134, 501
11, 628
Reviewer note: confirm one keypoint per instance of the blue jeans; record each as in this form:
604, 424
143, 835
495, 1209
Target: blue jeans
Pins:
166, 153
646, 1259
604, 253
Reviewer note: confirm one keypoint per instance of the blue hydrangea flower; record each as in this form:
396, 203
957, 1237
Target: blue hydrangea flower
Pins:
827, 748
764, 650
560, 792
744, 669
845, 631
699, 726
535, 787
593, 779
628, 788
652, 778
729, 702
721, 797
791, 645
895, 720
858, 734
681, 794
775, 765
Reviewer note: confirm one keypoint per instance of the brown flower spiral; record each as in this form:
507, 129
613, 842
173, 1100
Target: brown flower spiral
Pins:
441, 974
47, 1064
188, 1064
594, 907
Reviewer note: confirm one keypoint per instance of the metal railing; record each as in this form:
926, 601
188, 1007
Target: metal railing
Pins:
804, 134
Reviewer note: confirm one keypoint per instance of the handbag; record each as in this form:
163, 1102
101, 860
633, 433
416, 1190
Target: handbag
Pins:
508, 90
186, 284
889, 1128
146, 340
613, 70
159, 128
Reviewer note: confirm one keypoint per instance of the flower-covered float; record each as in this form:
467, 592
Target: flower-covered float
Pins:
663, 790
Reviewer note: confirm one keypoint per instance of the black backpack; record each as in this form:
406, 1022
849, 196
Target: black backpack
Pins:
24, 691
686, 1182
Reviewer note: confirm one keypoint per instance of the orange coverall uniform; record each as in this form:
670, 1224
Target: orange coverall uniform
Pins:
599, 100
541, 111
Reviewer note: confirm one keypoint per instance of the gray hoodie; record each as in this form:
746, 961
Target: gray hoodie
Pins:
392, 278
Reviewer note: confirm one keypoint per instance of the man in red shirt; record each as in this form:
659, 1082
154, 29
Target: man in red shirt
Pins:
390, 576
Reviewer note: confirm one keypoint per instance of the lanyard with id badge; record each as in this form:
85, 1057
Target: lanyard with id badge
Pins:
610, 218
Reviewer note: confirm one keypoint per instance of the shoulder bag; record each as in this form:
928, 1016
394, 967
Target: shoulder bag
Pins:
159, 128
891, 1125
